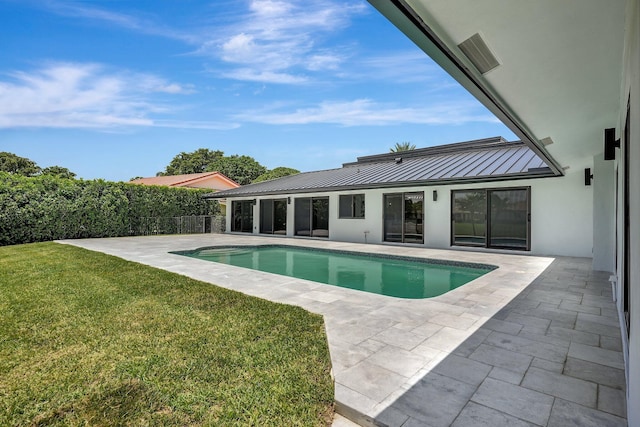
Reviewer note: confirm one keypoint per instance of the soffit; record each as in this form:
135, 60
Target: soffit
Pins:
560, 62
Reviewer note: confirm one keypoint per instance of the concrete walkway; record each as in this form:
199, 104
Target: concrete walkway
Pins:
534, 343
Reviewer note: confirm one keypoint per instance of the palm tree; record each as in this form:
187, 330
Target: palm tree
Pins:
402, 146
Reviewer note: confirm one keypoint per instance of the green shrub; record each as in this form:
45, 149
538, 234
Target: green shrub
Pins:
47, 207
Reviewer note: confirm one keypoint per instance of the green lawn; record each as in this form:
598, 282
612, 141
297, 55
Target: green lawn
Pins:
90, 339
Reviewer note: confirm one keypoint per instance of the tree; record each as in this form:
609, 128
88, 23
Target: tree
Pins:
12, 163
402, 146
198, 161
278, 172
58, 171
241, 169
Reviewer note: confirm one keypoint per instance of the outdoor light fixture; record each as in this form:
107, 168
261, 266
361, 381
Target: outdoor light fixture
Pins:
610, 143
588, 176
253, 202
435, 195
288, 200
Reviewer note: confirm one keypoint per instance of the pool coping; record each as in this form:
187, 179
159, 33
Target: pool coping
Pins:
380, 346
489, 267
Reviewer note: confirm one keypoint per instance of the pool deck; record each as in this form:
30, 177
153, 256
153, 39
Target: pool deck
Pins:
534, 343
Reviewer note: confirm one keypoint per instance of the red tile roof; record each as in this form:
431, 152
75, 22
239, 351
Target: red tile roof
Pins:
212, 180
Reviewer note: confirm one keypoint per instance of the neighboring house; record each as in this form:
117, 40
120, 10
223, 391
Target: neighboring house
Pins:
207, 180
213, 180
487, 193
564, 76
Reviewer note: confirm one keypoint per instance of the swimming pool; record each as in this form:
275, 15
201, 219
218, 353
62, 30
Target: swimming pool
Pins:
395, 276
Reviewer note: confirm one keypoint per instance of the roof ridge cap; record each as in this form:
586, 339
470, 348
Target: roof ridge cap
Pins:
478, 144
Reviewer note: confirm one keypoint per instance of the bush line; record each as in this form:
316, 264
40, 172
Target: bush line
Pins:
46, 207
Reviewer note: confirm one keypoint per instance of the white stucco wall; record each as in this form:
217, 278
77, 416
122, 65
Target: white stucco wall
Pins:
561, 213
630, 92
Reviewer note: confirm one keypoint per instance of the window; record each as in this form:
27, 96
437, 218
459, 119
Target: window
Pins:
242, 216
351, 206
312, 216
496, 218
273, 216
403, 217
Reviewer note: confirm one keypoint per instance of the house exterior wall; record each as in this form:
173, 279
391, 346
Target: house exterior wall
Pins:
631, 94
561, 214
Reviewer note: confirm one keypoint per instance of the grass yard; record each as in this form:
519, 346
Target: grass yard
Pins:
90, 339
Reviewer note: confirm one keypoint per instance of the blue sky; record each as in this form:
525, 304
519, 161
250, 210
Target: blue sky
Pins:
115, 89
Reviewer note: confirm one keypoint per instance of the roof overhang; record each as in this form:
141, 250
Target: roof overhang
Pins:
560, 64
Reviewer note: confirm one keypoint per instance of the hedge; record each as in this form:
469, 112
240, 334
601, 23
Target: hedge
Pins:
45, 207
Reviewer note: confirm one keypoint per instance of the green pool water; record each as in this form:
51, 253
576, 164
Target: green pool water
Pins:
385, 275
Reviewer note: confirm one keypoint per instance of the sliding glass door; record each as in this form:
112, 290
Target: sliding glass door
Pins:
312, 216
393, 217
273, 216
509, 225
469, 214
242, 216
403, 217
496, 218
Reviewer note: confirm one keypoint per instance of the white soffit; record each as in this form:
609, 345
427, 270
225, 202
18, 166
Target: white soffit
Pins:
560, 62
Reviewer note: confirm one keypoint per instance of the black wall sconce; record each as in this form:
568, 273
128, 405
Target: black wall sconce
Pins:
610, 143
435, 195
254, 202
288, 200
588, 176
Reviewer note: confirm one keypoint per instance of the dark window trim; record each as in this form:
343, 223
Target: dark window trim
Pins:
353, 206
487, 220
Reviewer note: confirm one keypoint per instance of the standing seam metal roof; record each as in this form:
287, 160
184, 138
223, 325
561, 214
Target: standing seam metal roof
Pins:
481, 160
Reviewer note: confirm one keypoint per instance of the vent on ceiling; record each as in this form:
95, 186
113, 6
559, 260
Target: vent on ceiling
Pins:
478, 53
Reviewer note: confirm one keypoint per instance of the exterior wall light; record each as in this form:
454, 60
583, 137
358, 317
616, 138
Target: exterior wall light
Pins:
588, 176
610, 143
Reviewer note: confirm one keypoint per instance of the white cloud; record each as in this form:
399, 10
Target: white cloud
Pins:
278, 38
84, 10
86, 96
249, 74
365, 112
323, 62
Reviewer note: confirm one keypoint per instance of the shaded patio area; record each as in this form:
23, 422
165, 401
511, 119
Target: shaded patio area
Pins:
535, 342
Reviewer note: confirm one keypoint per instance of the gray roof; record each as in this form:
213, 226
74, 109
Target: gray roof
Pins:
490, 159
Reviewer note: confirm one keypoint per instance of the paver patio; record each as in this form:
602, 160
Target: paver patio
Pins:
534, 343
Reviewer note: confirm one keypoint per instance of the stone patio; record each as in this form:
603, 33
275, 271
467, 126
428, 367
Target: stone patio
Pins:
534, 343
